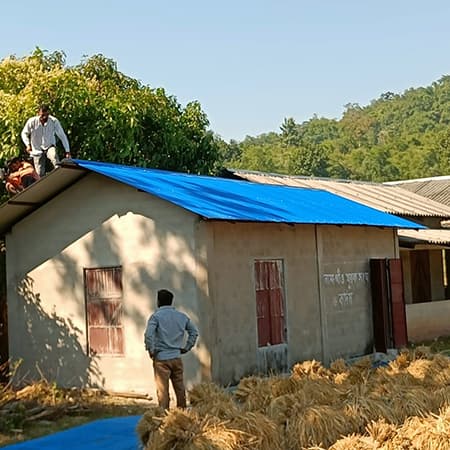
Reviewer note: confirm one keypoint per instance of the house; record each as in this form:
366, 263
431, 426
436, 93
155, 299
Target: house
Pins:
270, 274
424, 253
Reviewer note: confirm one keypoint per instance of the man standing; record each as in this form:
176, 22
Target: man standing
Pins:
165, 343
39, 134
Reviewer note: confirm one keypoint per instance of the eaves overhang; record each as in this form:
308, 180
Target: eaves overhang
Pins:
40, 192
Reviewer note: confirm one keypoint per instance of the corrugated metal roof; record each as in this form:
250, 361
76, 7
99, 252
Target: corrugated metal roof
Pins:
438, 236
210, 197
225, 199
387, 198
434, 188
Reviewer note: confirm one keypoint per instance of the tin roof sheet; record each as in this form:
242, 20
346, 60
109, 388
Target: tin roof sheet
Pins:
434, 188
429, 236
384, 197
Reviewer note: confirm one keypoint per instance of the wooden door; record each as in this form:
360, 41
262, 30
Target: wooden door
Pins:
420, 276
270, 314
380, 305
388, 304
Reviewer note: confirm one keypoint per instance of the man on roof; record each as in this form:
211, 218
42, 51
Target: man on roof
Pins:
39, 136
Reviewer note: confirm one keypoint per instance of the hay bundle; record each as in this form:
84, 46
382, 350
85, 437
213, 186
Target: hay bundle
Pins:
441, 361
282, 408
354, 442
403, 360
338, 366
442, 397
310, 369
385, 380
422, 369
318, 425
254, 393
149, 423
360, 371
439, 373
208, 398
322, 391
265, 433
341, 378
339, 372
429, 433
413, 401
362, 410
183, 429
285, 385
380, 431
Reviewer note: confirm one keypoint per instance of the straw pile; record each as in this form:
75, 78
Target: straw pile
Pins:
403, 405
428, 433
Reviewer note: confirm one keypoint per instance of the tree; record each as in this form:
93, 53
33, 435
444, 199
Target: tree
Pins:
289, 131
107, 115
310, 160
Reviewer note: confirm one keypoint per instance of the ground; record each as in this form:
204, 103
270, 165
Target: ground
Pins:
42, 408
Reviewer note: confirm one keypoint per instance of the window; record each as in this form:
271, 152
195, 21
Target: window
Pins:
104, 298
270, 302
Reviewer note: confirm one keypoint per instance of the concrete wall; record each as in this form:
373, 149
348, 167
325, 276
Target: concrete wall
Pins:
427, 321
328, 307
233, 249
96, 223
343, 259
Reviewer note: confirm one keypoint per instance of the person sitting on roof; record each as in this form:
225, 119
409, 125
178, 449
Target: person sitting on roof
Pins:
20, 175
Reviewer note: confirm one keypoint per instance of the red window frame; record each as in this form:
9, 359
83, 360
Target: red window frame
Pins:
104, 310
270, 305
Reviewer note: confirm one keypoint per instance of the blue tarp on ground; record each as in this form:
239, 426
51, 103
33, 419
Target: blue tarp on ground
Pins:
118, 433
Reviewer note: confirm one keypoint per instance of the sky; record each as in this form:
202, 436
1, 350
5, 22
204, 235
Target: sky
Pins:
250, 63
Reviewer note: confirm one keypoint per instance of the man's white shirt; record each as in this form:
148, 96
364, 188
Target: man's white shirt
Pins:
42, 136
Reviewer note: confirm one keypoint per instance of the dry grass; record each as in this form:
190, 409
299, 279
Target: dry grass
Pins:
42, 408
341, 407
405, 405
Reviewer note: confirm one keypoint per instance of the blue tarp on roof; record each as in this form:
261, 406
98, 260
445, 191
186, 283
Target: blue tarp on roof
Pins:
225, 199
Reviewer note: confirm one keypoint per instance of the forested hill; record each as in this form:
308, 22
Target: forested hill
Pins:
397, 136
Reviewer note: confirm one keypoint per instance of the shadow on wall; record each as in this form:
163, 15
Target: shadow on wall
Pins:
53, 342
152, 242
174, 269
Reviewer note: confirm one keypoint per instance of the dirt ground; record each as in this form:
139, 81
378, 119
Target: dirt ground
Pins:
42, 408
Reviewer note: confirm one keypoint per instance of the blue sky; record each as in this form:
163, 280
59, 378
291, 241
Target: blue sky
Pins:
249, 63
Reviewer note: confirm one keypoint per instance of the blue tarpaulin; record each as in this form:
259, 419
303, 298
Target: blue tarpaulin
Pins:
118, 433
224, 199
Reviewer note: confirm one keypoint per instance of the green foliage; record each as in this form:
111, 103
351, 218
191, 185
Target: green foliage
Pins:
266, 153
395, 137
107, 115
